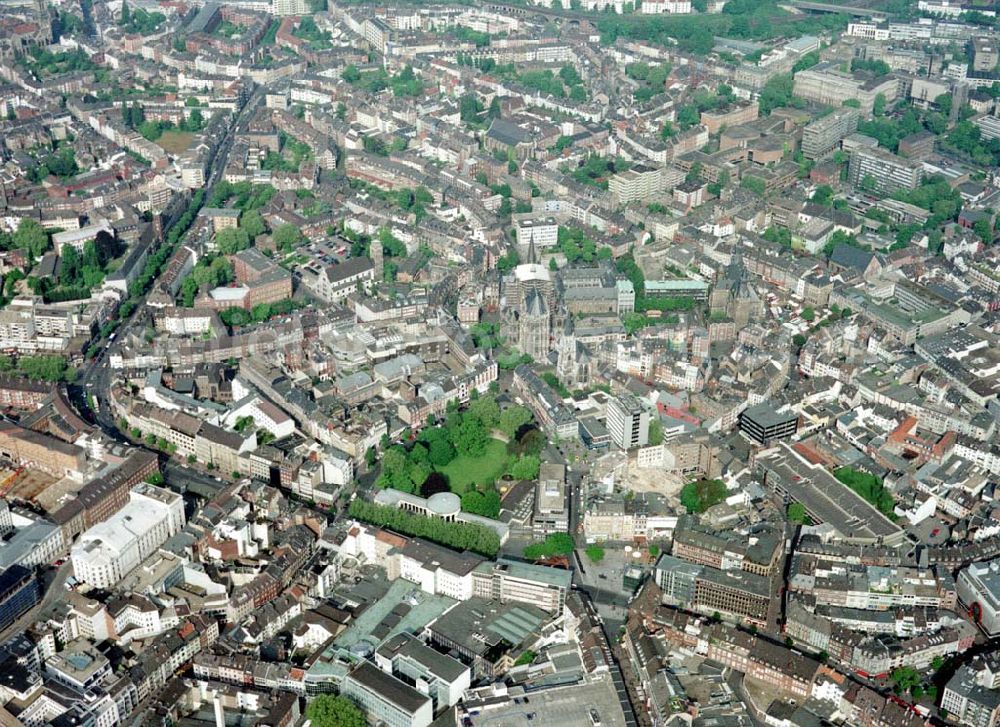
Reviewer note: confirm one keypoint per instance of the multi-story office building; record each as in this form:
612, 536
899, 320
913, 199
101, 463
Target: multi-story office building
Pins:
437, 675
377, 34
628, 422
510, 580
385, 699
551, 513
676, 578
111, 550
641, 182
281, 8
822, 136
757, 552
19, 591
542, 232
764, 424
985, 54
880, 171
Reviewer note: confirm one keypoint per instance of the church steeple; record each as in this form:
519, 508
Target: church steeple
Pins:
532, 256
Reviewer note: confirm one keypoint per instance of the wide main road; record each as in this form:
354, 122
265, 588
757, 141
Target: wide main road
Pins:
95, 376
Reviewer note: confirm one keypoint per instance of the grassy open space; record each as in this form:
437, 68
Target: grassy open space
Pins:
870, 488
464, 471
175, 142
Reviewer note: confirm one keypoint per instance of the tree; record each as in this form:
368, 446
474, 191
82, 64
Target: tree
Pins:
394, 469
688, 116
232, 240
799, 340
288, 237
469, 108
655, 431
44, 368
513, 418
470, 437
486, 410
554, 544
777, 92
419, 472
253, 224
797, 513
328, 710
441, 452
823, 195
595, 553
702, 494
905, 678
525, 468
486, 504
984, 229
71, 267
31, 236
878, 107
808, 314
126, 15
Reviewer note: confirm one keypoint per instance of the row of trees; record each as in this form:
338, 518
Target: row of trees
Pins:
460, 536
246, 197
158, 259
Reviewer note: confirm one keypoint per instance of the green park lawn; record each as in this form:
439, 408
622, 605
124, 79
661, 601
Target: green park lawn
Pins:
485, 469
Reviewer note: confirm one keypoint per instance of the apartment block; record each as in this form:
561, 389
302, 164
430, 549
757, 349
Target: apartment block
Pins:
628, 422
822, 136
880, 171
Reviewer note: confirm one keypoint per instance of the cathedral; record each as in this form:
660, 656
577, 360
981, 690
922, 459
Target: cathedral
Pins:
734, 296
530, 299
21, 32
574, 366
533, 325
